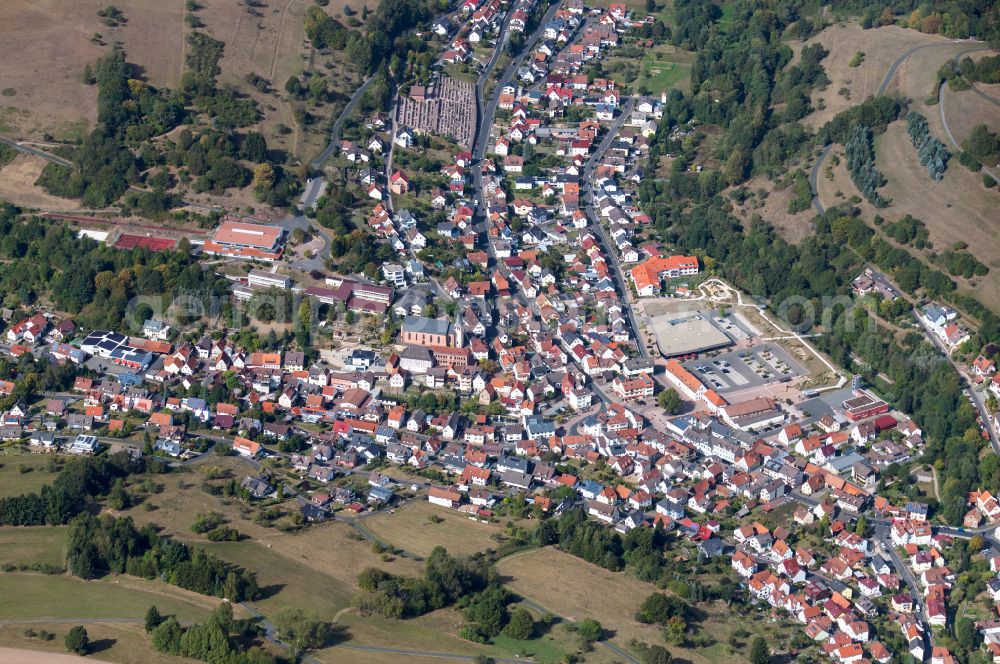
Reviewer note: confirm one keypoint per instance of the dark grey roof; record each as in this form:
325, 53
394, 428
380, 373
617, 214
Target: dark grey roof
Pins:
422, 324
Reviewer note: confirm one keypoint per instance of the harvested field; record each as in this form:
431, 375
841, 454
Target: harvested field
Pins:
881, 46
411, 528
955, 209
17, 185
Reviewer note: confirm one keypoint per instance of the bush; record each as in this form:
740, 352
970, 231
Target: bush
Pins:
589, 630
204, 523
77, 640
521, 625
969, 161
659, 608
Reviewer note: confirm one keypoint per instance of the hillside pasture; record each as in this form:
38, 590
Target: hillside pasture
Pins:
881, 46
412, 528
575, 589
37, 544
41, 80
773, 209
270, 42
956, 208
23, 473
33, 596
965, 109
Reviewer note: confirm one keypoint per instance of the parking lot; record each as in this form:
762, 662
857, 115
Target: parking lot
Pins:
748, 368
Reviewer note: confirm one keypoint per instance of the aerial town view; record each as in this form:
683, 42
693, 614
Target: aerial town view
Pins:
542, 331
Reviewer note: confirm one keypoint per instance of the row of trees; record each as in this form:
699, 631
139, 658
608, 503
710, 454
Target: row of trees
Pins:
102, 545
984, 70
932, 152
79, 481
217, 640
860, 151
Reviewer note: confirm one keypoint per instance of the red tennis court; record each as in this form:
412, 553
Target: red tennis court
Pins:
126, 241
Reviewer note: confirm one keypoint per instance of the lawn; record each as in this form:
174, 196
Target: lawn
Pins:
410, 528
14, 482
659, 76
28, 596
39, 544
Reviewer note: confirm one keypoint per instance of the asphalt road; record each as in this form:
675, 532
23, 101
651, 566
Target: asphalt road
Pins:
352, 103
969, 393
889, 75
947, 129
27, 149
587, 184
814, 174
489, 111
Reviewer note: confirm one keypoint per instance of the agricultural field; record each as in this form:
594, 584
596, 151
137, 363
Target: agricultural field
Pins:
13, 478
413, 529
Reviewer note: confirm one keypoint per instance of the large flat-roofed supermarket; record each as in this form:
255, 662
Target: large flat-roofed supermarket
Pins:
695, 332
241, 239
